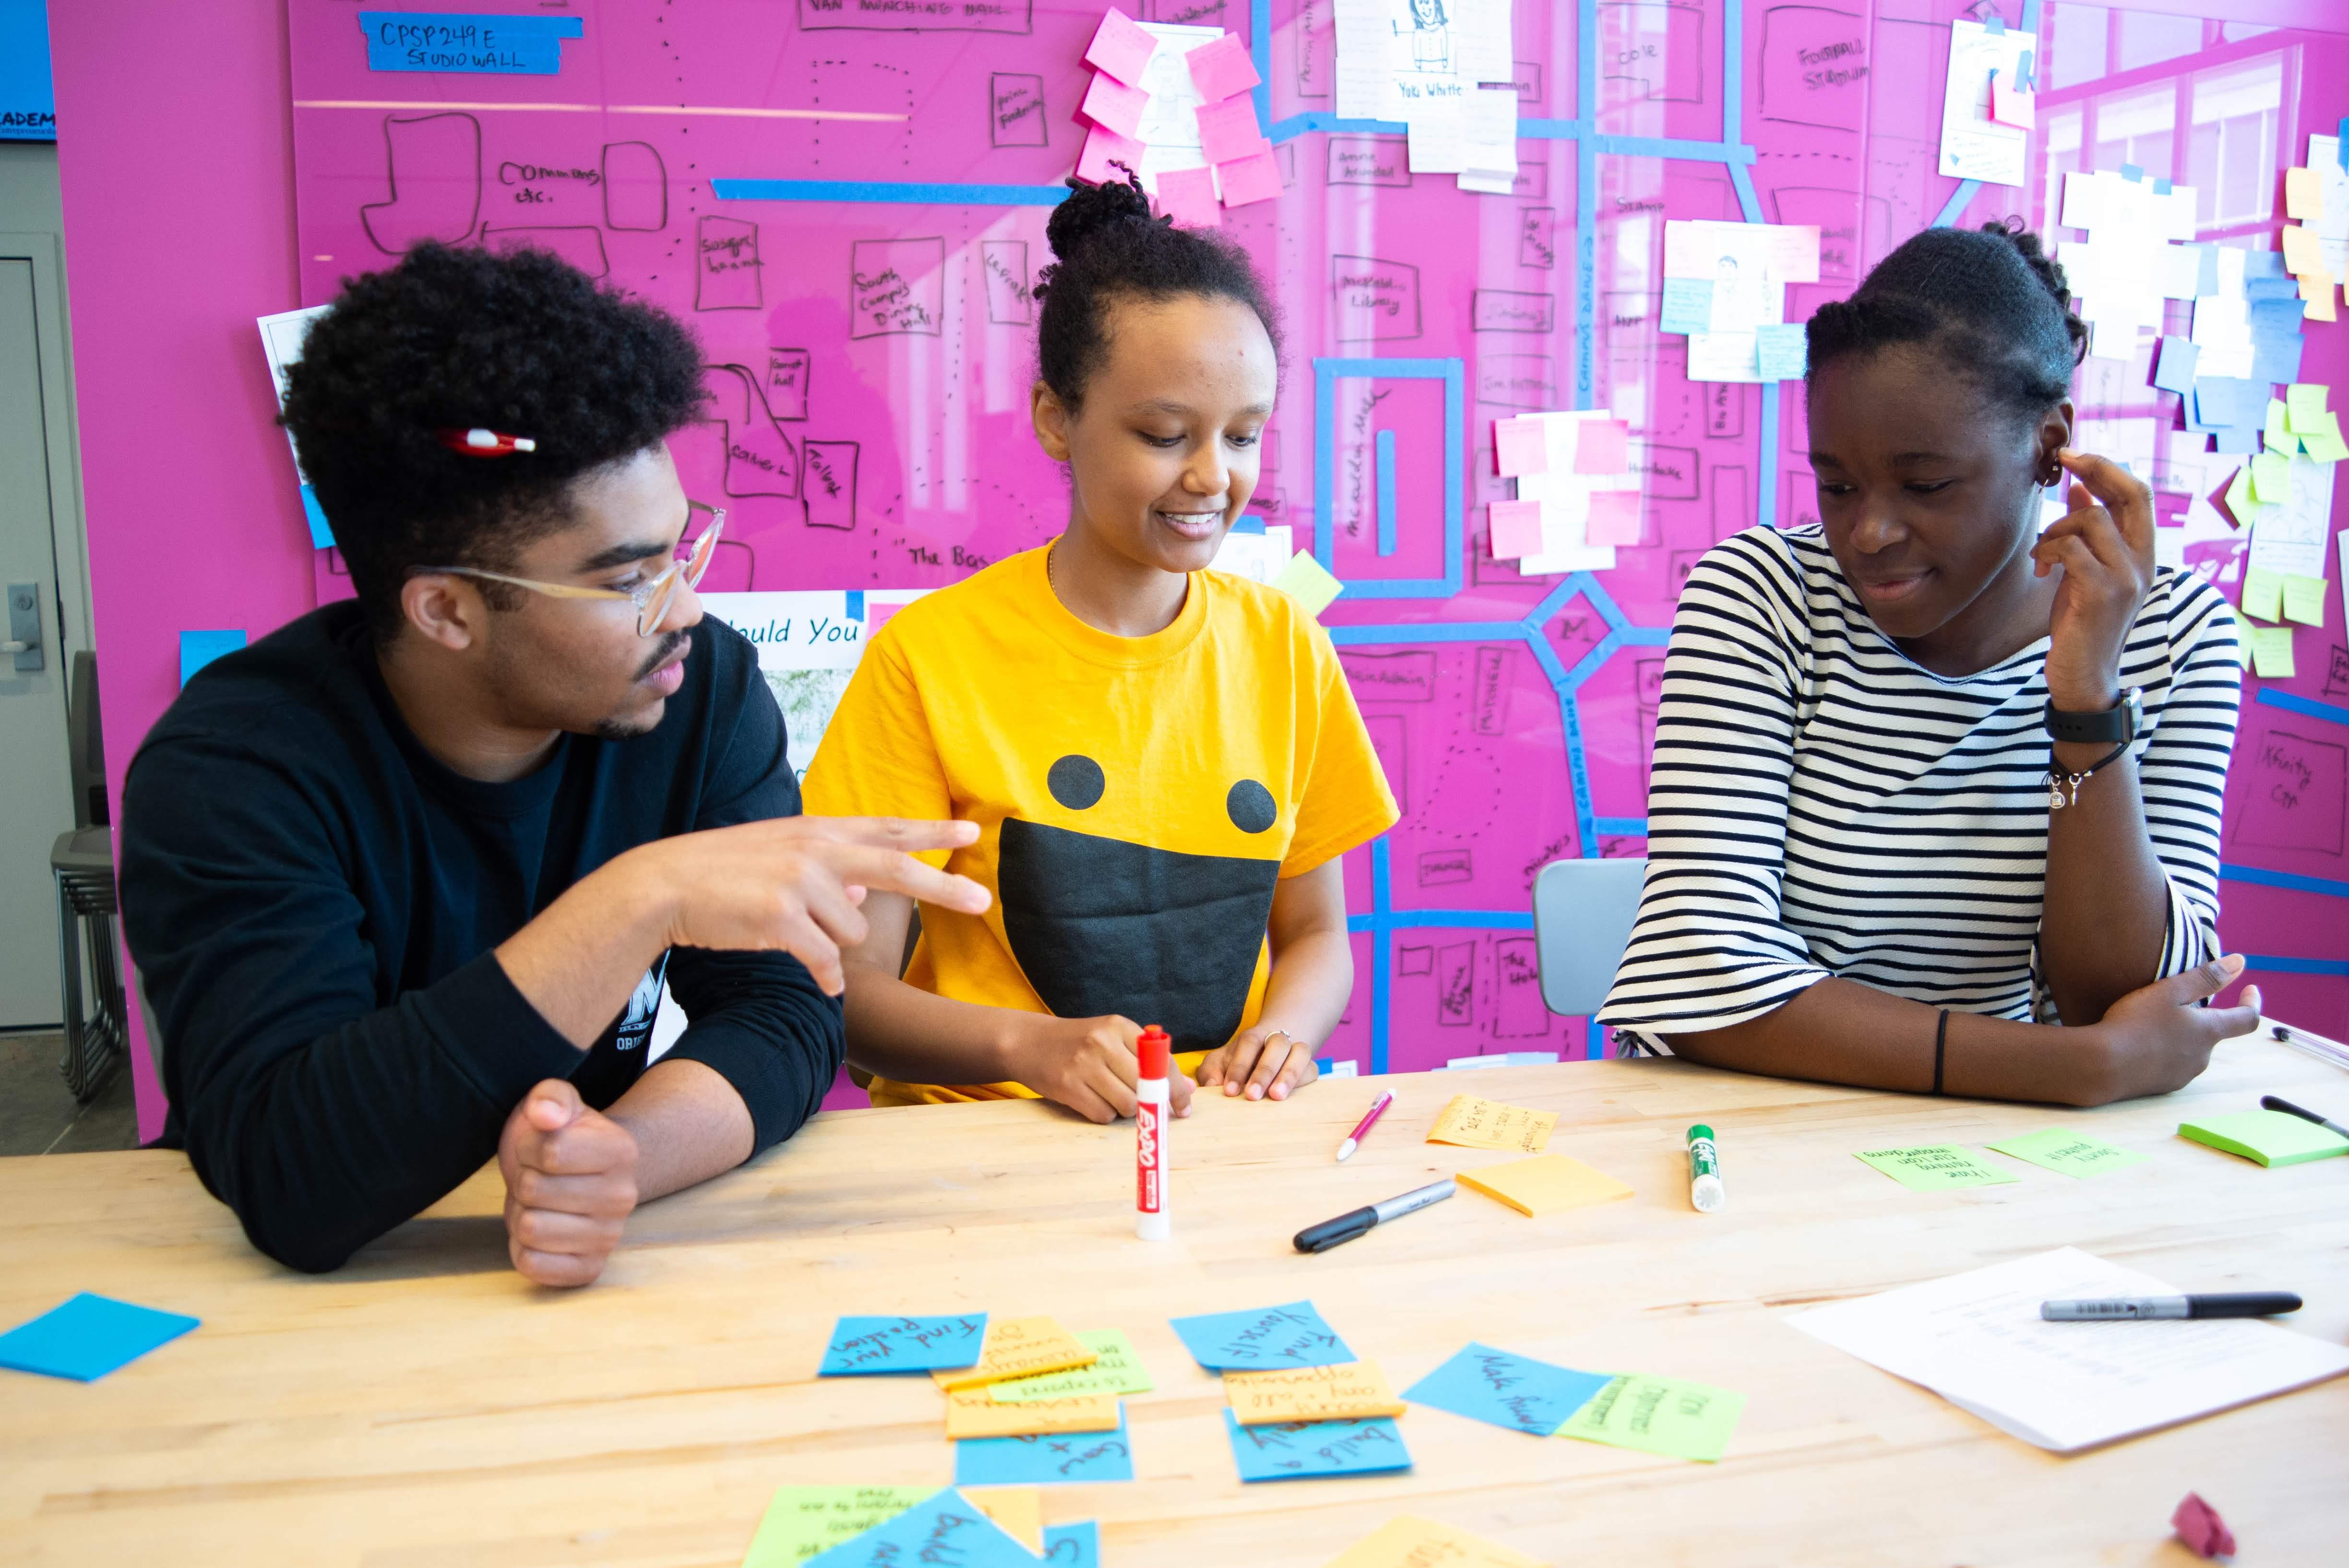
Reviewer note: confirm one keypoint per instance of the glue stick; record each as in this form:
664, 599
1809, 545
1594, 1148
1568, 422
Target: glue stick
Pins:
1152, 1107
1705, 1192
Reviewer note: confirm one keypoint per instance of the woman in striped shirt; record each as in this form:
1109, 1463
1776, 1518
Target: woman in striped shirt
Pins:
1935, 796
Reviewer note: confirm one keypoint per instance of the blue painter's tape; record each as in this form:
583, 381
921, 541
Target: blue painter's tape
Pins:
1425, 632
2133, 173
1381, 955
1993, 23
1733, 154
1453, 374
197, 649
2295, 965
1624, 827
1733, 76
2331, 713
1765, 483
1297, 125
467, 43
2291, 879
1549, 130
1248, 522
1954, 209
1460, 919
322, 534
856, 603
938, 193
1386, 488
1261, 57
1749, 205
2161, 187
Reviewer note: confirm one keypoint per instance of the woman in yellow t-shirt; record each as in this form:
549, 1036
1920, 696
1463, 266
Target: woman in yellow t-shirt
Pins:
1164, 762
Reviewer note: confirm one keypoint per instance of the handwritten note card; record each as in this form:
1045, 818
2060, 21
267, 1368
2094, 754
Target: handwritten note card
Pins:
1936, 1167
1074, 1545
1119, 1371
1659, 1416
946, 1528
1545, 1183
1290, 1335
1351, 1390
1048, 1460
1292, 1450
1408, 1541
1508, 1390
2073, 1153
1473, 1123
1021, 1347
803, 1521
971, 1414
861, 1345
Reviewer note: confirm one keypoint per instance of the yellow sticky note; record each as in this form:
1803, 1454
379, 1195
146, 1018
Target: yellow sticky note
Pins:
2271, 477
2303, 405
1350, 1391
803, 1521
2300, 252
2324, 443
1473, 1123
2270, 655
2303, 600
2240, 506
1407, 1541
2263, 593
1020, 1510
2304, 193
2278, 429
1545, 1183
1119, 1371
1304, 581
971, 1414
2316, 297
1019, 1347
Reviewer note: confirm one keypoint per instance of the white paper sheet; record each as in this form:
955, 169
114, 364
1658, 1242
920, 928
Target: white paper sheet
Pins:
1977, 1340
1973, 146
1170, 126
2290, 536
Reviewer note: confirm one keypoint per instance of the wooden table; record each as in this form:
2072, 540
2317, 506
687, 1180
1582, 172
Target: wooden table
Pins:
425, 1407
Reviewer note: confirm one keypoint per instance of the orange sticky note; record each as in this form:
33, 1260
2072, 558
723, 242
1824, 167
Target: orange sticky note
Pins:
1019, 1347
2316, 292
1472, 1122
1545, 1184
971, 1414
1349, 1391
1408, 1541
1020, 1510
2302, 254
2303, 194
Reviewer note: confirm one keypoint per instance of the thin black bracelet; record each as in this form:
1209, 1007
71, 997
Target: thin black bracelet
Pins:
1940, 1046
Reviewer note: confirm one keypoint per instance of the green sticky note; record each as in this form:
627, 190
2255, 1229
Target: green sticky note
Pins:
2073, 1153
1936, 1167
2263, 593
2240, 506
2278, 430
2324, 443
2303, 600
2304, 406
1305, 580
2271, 477
1119, 1371
2272, 653
803, 1521
1659, 1416
2268, 1137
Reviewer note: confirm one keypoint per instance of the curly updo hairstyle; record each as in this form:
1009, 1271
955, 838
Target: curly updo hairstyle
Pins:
1110, 249
1990, 302
522, 342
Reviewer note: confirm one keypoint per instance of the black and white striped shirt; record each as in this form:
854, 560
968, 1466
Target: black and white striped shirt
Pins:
1819, 804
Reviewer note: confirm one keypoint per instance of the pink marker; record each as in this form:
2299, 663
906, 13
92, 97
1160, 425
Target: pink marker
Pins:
1151, 1107
1354, 1139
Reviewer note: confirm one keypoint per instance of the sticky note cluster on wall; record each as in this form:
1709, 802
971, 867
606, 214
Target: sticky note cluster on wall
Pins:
1725, 288
1170, 103
1442, 67
1577, 496
2315, 243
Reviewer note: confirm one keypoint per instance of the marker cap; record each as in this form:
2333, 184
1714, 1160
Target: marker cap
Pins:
1155, 1050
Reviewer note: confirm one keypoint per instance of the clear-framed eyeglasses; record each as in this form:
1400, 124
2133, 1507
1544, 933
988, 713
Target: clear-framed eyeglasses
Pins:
651, 599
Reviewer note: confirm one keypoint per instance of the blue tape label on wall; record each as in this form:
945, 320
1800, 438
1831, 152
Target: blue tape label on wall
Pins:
197, 649
28, 103
467, 43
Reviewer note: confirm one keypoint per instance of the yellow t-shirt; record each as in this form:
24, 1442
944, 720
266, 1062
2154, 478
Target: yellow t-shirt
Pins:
1137, 797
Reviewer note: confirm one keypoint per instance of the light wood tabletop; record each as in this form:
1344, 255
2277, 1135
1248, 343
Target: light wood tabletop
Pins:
426, 1406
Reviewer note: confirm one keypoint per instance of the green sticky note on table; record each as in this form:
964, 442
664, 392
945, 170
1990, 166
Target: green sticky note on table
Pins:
2073, 1153
1305, 580
1659, 1416
2304, 406
2271, 477
2263, 593
1119, 1371
805, 1521
1936, 1167
2266, 1137
2272, 653
2304, 599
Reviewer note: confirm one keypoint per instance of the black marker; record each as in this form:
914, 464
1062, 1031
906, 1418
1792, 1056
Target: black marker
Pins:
2246, 1304
2271, 1102
1321, 1238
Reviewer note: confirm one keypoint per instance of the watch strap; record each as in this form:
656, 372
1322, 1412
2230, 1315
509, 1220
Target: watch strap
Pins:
2116, 724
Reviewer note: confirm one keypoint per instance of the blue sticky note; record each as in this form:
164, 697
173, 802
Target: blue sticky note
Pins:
866, 1345
2206, 280
1783, 352
91, 1336
2256, 289
945, 1529
2023, 79
2175, 373
2221, 401
2275, 359
856, 603
2161, 187
1688, 305
1046, 1460
197, 649
2237, 440
1291, 1450
2345, 141
467, 43
322, 534
2263, 263
1994, 23
1291, 1335
2132, 173
1074, 1545
1508, 1390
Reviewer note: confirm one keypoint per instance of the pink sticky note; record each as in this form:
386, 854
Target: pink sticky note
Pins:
1520, 446
1188, 196
1517, 529
1228, 132
2199, 1526
1221, 69
1614, 518
1103, 147
1121, 47
1602, 447
1256, 178
2009, 106
1111, 103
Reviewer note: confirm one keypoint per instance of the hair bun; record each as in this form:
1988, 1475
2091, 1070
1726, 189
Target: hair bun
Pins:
1091, 209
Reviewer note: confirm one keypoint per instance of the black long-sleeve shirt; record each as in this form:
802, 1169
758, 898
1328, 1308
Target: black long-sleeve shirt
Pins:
312, 900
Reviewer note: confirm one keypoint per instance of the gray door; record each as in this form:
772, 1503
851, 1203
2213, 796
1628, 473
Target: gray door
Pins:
36, 792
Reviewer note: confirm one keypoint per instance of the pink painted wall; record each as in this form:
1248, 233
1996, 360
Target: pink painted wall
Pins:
176, 167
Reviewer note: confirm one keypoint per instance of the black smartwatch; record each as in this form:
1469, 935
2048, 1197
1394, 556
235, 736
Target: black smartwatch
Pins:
2117, 726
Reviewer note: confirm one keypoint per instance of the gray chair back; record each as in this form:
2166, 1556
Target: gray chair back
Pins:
85, 743
1583, 912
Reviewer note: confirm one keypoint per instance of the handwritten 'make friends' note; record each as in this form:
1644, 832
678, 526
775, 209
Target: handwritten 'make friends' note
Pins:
1469, 1122
1350, 1391
1290, 1451
1290, 1335
1508, 1390
1019, 1347
864, 1345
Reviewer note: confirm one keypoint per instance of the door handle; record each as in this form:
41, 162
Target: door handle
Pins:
24, 626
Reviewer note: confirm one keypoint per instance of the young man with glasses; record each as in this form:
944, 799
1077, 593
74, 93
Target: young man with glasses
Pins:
404, 878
